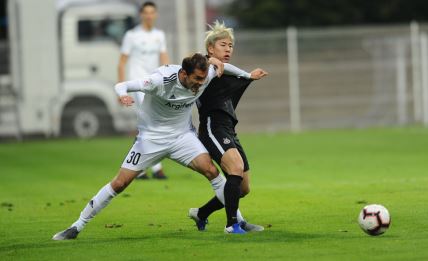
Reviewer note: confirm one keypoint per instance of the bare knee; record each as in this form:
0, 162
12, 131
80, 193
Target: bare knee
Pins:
118, 185
203, 165
211, 171
122, 180
232, 163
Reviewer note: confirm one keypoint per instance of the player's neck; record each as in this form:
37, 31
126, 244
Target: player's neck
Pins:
147, 27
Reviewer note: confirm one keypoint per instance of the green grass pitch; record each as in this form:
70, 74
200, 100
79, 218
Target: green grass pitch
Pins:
307, 190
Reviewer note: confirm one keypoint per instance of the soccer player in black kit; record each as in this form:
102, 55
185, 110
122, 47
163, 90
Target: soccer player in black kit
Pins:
217, 121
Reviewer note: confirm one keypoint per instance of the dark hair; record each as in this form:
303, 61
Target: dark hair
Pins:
195, 61
148, 3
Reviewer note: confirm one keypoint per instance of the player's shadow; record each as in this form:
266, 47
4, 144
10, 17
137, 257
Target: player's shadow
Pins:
216, 236
202, 238
265, 236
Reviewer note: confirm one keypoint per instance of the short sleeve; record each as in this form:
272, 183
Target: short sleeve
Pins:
126, 44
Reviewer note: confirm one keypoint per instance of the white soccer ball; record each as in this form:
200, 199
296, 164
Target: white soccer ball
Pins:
374, 219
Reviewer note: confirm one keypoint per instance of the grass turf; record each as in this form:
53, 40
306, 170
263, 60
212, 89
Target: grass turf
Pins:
307, 190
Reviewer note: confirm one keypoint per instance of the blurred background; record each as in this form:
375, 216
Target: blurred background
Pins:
332, 64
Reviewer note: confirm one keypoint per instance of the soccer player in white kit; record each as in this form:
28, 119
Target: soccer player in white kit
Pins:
165, 130
144, 50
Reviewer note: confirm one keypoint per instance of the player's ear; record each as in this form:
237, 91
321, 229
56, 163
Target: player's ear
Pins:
210, 49
183, 73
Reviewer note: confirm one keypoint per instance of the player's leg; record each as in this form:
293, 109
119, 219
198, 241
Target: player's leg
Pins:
221, 141
232, 163
245, 188
142, 175
202, 213
217, 141
104, 196
98, 202
245, 184
203, 165
134, 162
157, 171
190, 152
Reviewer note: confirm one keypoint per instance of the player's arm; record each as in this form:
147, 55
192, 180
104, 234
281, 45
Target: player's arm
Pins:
164, 58
125, 51
121, 67
254, 75
152, 84
163, 55
217, 65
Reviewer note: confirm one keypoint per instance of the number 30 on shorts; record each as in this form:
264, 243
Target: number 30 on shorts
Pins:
134, 158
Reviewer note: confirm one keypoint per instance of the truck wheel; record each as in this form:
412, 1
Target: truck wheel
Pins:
86, 121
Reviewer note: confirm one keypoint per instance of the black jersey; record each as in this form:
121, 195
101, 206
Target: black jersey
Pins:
220, 99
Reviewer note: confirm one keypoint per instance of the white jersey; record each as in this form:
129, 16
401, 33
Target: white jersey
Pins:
168, 104
144, 49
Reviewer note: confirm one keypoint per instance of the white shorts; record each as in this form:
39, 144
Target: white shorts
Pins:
147, 152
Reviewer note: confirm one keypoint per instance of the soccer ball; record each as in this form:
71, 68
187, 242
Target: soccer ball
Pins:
374, 219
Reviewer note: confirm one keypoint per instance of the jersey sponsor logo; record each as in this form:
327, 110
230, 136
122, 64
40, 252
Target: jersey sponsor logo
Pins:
178, 106
226, 141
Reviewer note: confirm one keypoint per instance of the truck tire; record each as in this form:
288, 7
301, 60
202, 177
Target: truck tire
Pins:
86, 121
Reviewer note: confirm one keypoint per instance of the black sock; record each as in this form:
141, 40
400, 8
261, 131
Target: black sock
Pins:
232, 192
213, 205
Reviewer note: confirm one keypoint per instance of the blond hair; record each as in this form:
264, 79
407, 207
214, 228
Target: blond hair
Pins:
218, 31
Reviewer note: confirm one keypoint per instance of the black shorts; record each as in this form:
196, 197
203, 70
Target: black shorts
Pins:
218, 139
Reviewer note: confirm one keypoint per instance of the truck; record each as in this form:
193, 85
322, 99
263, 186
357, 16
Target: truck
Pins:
58, 68
58, 63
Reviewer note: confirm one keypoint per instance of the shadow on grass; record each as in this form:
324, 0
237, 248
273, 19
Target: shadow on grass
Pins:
267, 236
196, 237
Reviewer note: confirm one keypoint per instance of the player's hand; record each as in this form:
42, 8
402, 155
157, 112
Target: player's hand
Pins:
258, 73
219, 66
126, 100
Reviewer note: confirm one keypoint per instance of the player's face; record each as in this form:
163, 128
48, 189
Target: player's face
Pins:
148, 16
222, 50
195, 80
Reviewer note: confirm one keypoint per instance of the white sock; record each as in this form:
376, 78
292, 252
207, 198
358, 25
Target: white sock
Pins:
101, 199
218, 187
239, 216
157, 167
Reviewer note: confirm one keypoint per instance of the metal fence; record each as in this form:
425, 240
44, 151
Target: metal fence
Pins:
348, 77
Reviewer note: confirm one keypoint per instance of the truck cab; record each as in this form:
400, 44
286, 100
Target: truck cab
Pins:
59, 59
90, 41
62, 67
